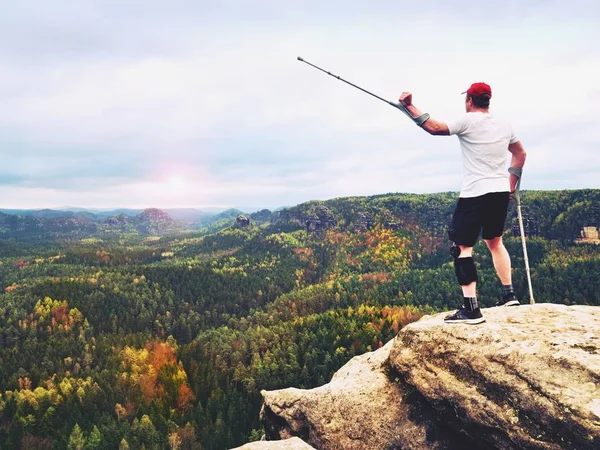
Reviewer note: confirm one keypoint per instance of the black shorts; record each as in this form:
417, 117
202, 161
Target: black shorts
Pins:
485, 214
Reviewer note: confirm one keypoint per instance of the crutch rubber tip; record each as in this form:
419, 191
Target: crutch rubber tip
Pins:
300, 58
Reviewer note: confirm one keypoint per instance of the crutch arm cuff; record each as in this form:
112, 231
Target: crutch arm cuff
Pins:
421, 119
517, 171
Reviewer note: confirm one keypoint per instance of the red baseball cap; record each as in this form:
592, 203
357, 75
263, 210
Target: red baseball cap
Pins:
478, 89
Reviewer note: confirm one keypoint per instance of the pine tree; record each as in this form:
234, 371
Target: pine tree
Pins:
76, 439
94, 440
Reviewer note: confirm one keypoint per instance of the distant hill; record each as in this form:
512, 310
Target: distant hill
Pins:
154, 221
551, 214
114, 212
186, 216
189, 216
263, 215
51, 223
49, 213
26, 225
229, 213
151, 221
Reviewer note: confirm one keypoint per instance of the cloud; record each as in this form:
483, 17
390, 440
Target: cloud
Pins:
103, 102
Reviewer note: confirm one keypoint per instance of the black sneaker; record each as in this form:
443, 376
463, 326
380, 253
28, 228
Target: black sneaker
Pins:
465, 316
508, 299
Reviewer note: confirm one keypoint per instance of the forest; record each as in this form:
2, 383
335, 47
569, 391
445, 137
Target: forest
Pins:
146, 334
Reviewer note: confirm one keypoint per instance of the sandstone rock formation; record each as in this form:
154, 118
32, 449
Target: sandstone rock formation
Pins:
364, 221
284, 444
242, 221
363, 407
529, 377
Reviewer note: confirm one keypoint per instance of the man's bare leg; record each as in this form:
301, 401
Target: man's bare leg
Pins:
501, 259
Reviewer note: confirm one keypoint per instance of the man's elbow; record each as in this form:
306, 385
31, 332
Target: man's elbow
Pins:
430, 128
439, 132
436, 128
523, 155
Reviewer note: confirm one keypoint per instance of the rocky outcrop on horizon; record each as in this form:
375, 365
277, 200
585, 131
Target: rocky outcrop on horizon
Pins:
529, 377
313, 216
242, 221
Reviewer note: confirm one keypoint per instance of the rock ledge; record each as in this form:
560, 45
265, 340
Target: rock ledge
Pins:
529, 377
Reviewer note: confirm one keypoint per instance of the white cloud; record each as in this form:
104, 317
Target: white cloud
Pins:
110, 101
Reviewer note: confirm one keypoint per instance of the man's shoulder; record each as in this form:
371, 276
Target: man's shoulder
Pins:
459, 122
475, 116
500, 121
470, 119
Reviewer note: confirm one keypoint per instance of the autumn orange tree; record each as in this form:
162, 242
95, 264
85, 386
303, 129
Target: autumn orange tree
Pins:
153, 374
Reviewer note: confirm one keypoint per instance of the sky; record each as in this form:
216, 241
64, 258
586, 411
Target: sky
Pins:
131, 103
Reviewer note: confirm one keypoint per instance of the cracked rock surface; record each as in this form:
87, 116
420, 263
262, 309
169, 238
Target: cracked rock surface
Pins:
363, 407
529, 377
293, 443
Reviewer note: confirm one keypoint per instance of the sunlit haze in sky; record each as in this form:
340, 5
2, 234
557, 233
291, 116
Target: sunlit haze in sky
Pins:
135, 103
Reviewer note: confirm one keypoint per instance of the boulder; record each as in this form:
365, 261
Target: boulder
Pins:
363, 407
293, 443
529, 377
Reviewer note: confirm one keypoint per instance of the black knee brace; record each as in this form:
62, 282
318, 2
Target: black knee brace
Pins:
465, 269
455, 250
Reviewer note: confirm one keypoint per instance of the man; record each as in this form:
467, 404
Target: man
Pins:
486, 189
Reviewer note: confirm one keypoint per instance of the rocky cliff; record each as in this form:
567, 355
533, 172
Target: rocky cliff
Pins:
292, 443
528, 378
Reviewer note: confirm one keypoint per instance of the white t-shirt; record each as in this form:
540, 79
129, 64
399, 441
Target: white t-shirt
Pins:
484, 143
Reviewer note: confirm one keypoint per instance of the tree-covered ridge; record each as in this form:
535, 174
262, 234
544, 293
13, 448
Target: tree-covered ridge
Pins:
137, 341
559, 214
55, 224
